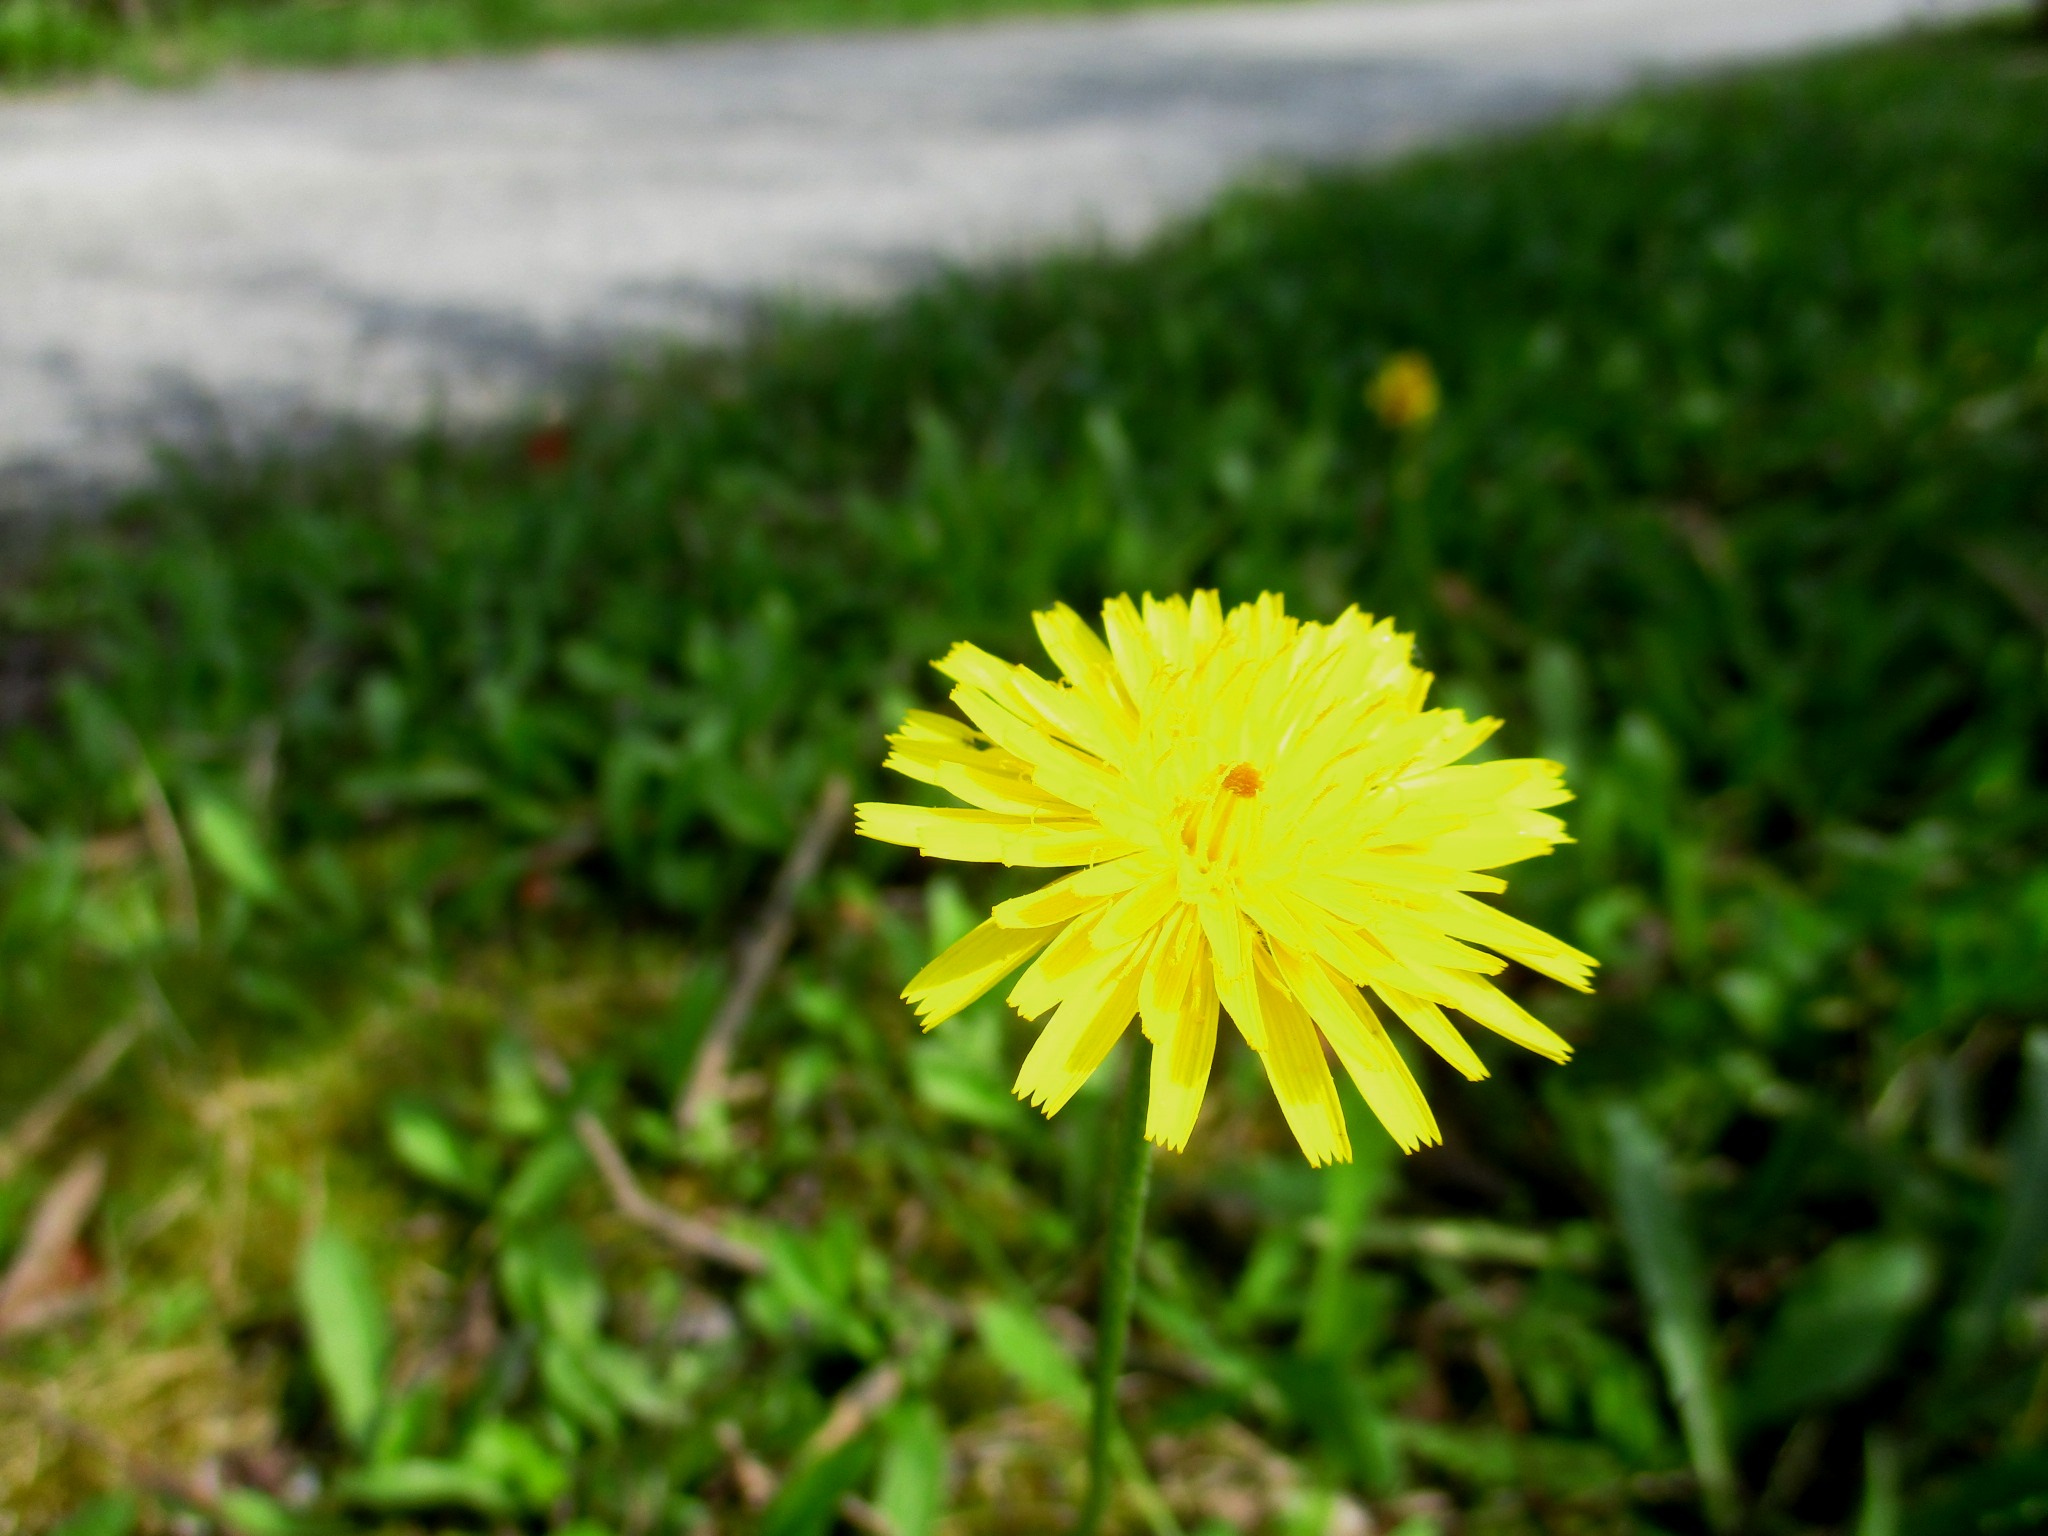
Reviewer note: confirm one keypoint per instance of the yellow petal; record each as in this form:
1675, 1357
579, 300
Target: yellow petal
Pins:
1415, 941
1205, 622
1167, 623
973, 667
1136, 657
1056, 767
1181, 1059
1230, 953
1071, 895
1097, 725
1497, 841
1433, 1029
1137, 911
924, 725
1088, 664
1074, 648
1360, 1041
1406, 874
1082, 1030
1054, 974
1485, 1004
1177, 1002
969, 967
1307, 927
988, 837
1301, 1080
1170, 973
1469, 919
988, 781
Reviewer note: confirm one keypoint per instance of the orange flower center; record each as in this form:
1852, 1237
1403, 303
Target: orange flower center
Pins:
1244, 781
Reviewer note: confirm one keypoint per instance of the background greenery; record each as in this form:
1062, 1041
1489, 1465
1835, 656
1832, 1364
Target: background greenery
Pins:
410, 800
167, 41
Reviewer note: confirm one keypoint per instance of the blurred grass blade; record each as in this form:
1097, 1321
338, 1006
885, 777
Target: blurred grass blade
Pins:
518, 1103
808, 1503
542, 1180
1018, 1341
434, 1150
229, 840
347, 1329
1838, 1329
111, 1514
1880, 1513
1668, 1276
422, 1484
2023, 1227
910, 1488
1337, 1407
515, 1458
2003, 1496
1338, 1319
245, 1512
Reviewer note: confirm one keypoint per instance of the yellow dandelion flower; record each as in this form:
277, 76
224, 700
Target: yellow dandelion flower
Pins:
1268, 820
1404, 393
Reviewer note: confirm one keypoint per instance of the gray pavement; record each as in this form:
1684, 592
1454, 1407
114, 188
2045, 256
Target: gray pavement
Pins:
274, 255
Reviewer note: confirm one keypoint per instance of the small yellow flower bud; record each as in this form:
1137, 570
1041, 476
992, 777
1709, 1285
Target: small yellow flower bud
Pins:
1404, 394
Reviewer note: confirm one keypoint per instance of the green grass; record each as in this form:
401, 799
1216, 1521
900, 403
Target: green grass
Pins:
174, 41
480, 753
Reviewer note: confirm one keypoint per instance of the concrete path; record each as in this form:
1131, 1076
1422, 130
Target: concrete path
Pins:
275, 254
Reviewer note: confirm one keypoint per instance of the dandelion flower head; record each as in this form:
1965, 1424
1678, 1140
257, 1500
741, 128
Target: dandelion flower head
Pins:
1268, 820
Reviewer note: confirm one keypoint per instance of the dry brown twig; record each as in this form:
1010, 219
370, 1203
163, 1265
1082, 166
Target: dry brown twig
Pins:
755, 1479
32, 1132
853, 1410
686, 1234
46, 1282
761, 953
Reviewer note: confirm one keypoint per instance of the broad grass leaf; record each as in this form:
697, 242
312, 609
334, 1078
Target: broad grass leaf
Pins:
1185, 1326
1533, 1465
534, 1476
347, 1329
434, 1150
1665, 1261
541, 1181
808, 1502
425, 1484
575, 1390
630, 1379
2023, 1221
1838, 1328
231, 844
519, 1105
1018, 1340
1336, 1407
550, 1281
956, 1071
910, 1485
111, 1514
248, 1512
814, 1283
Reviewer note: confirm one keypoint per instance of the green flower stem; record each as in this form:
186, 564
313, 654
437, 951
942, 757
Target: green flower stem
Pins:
1132, 1171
